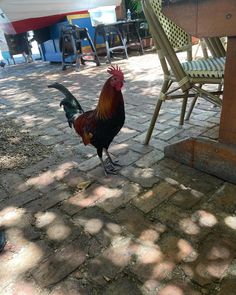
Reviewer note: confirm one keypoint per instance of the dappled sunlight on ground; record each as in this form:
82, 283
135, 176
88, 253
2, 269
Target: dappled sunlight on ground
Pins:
157, 227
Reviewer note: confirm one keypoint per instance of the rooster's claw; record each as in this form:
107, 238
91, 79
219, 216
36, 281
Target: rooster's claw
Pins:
112, 162
110, 169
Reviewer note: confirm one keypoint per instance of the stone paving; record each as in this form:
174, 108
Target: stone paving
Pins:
158, 227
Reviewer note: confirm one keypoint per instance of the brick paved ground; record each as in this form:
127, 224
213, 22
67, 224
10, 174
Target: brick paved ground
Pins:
158, 227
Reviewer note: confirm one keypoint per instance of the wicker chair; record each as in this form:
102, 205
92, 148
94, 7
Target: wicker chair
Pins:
215, 46
190, 76
179, 39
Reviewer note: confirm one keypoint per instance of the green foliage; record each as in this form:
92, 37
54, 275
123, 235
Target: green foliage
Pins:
135, 7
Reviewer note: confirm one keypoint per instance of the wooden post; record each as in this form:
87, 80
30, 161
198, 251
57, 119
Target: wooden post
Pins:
228, 114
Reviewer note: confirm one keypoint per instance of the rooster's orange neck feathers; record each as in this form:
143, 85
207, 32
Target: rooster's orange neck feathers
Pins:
105, 107
109, 98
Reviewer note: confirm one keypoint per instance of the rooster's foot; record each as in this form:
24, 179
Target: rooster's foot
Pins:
116, 163
109, 161
110, 169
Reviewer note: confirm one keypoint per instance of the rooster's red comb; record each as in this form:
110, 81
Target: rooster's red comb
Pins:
116, 71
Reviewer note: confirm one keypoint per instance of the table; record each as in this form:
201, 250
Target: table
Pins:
211, 18
130, 32
124, 30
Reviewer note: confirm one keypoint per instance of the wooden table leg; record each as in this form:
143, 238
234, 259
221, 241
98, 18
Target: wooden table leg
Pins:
228, 114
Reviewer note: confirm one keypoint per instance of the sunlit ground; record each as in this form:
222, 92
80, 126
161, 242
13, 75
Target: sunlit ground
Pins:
157, 227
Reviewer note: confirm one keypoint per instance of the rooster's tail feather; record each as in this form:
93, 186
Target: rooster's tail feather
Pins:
70, 104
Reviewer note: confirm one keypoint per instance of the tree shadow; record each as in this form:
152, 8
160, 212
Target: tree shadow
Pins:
156, 228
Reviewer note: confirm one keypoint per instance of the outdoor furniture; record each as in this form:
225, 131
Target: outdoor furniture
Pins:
71, 40
190, 76
8, 57
215, 46
112, 38
130, 32
178, 38
205, 18
19, 44
120, 36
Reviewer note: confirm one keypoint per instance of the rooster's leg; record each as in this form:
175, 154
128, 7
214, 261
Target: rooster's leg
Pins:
113, 162
108, 168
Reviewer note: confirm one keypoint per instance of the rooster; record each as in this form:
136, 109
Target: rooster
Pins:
98, 127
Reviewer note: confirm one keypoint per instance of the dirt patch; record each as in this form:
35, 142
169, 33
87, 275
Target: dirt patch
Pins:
18, 149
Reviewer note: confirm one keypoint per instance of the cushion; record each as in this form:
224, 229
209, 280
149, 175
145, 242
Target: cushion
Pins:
205, 68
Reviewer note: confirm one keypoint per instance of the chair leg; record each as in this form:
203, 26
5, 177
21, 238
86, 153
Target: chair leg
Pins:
204, 49
191, 108
153, 121
183, 109
196, 51
220, 86
96, 58
123, 43
192, 105
108, 51
166, 85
